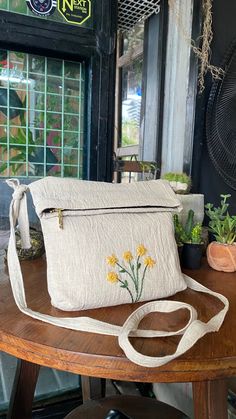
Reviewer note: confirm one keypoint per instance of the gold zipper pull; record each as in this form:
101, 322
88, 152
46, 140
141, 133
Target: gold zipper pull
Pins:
59, 212
60, 218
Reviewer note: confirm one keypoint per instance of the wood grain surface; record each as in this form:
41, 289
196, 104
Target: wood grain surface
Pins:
213, 357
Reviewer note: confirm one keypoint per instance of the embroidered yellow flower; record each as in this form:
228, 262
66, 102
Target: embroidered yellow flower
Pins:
149, 262
127, 256
130, 273
141, 250
112, 277
112, 260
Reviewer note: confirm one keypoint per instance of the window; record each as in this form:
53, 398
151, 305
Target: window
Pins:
131, 64
58, 118
129, 88
139, 95
68, 99
129, 82
41, 116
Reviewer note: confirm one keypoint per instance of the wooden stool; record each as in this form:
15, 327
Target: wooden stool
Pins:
132, 406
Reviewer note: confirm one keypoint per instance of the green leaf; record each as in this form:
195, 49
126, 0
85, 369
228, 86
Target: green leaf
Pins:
225, 196
139, 265
3, 167
16, 167
122, 271
55, 140
123, 286
17, 148
3, 149
21, 135
19, 158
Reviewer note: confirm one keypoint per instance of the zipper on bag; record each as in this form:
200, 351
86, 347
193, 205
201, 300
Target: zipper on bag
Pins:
59, 212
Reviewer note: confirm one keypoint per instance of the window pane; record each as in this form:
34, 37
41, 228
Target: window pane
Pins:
133, 39
41, 116
128, 177
131, 102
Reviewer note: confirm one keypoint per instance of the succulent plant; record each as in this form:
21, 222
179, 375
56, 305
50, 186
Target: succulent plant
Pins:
222, 224
196, 234
190, 232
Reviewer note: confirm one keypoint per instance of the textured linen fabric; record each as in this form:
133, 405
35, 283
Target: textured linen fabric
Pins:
52, 192
100, 220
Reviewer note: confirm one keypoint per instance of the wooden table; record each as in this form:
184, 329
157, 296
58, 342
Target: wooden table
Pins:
206, 365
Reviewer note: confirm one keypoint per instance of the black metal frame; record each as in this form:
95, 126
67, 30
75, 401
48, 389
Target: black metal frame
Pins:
94, 46
194, 124
155, 42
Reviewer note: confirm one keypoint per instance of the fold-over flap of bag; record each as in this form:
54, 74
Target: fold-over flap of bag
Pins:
74, 194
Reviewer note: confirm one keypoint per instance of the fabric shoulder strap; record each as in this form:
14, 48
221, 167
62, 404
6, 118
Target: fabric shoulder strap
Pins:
191, 332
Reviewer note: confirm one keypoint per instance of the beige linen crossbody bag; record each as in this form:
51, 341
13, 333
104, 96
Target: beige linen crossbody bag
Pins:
108, 244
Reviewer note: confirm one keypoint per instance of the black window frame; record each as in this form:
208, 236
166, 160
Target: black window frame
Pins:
153, 52
94, 46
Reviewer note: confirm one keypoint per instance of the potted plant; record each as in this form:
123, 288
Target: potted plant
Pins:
221, 253
190, 236
181, 184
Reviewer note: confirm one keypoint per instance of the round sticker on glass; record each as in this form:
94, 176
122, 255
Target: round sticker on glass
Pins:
42, 7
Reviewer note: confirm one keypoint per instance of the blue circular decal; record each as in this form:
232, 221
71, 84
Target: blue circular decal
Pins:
42, 7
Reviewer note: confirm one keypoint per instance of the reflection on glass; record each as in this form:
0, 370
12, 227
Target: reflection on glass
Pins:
15, 157
131, 103
54, 104
71, 139
134, 38
41, 116
54, 85
54, 138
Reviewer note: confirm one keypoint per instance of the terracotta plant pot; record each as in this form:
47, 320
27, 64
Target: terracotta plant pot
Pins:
222, 257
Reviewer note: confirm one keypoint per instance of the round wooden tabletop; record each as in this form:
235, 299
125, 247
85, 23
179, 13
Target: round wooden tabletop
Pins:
214, 356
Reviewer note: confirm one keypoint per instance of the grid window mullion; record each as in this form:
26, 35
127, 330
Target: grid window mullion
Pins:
8, 118
45, 118
44, 136
62, 117
79, 121
27, 116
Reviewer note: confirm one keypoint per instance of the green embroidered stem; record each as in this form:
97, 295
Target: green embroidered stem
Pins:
127, 288
137, 277
142, 282
125, 270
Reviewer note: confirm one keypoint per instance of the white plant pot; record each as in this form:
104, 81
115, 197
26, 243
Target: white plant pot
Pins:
179, 187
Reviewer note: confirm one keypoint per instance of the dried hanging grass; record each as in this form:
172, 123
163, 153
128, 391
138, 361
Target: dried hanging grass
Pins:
204, 52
